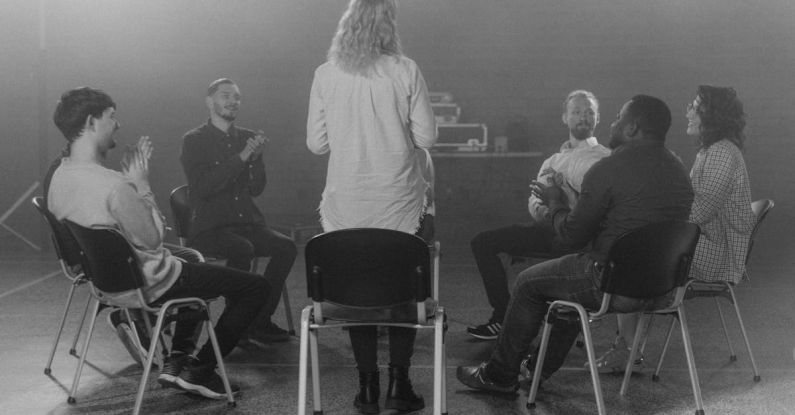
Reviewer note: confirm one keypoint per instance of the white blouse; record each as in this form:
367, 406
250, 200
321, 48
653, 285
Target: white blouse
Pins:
372, 126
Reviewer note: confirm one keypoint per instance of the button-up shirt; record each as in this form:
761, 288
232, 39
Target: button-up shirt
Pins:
723, 210
566, 169
640, 183
372, 125
221, 185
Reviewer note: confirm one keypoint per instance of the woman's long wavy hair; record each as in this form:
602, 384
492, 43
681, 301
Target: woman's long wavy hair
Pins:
721, 114
366, 31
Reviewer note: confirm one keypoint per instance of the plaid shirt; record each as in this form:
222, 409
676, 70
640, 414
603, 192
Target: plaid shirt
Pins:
722, 207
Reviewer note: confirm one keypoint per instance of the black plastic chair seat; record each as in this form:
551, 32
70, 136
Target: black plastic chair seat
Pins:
402, 313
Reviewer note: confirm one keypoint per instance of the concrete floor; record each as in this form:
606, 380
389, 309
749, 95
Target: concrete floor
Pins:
32, 292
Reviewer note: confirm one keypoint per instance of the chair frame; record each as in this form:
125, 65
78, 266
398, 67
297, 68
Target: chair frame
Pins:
180, 209
76, 279
609, 283
313, 320
131, 275
718, 289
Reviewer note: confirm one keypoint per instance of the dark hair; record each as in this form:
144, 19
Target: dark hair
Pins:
721, 114
214, 85
76, 105
651, 115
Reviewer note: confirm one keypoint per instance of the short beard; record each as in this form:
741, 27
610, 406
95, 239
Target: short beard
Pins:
228, 117
581, 134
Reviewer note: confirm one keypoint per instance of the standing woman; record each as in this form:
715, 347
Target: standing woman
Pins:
722, 205
369, 108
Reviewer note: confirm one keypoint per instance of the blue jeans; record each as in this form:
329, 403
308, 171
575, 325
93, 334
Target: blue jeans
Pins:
571, 277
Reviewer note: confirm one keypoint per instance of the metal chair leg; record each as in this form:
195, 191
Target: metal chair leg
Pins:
149, 359
230, 398
732, 354
597, 385
79, 369
691, 362
656, 376
73, 349
303, 359
757, 378
640, 331
313, 356
47, 368
542, 353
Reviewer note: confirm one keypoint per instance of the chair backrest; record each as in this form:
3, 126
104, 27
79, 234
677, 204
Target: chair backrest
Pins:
368, 267
62, 241
760, 208
183, 214
108, 260
650, 261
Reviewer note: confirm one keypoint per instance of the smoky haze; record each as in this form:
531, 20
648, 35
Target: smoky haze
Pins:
505, 61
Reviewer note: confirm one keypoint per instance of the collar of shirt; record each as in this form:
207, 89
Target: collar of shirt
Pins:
588, 142
220, 133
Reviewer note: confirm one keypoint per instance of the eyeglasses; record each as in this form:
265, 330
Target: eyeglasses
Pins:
691, 107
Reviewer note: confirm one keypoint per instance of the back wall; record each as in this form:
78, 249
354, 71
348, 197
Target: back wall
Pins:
507, 62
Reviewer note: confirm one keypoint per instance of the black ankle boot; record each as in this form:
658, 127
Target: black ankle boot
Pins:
369, 393
400, 394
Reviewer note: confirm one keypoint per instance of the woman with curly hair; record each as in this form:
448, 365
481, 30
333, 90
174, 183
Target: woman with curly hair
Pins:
369, 108
722, 204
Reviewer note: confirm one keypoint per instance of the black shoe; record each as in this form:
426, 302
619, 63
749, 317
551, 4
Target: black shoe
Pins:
475, 377
271, 333
172, 367
137, 351
366, 400
488, 331
201, 379
400, 394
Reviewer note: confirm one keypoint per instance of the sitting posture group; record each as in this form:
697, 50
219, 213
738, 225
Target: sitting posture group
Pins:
369, 109
584, 198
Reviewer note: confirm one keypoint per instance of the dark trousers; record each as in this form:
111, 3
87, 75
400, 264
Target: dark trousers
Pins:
514, 240
364, 339
240, 244
244, 293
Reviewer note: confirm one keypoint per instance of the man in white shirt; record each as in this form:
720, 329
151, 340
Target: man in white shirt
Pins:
85, 192
564, 169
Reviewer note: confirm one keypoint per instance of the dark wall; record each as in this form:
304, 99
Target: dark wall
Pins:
505, 61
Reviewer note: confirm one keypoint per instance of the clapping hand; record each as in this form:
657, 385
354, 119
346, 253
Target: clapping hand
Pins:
135, 162
254, 146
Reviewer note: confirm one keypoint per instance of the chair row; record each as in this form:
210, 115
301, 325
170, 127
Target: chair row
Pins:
396, 276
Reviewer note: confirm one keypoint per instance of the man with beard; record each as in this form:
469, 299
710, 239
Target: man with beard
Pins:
87, 193
564, 169
640, 183
225, 171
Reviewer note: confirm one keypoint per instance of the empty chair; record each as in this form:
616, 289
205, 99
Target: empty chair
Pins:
724, 289
111, 266
69, 257
183, 218
359, 277
650, 263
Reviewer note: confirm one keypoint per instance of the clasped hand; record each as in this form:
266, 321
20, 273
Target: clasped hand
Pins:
547, 194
